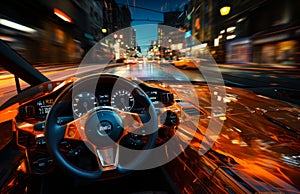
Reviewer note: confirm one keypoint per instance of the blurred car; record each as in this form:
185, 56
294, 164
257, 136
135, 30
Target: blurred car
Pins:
149, 58
140, 60
169, 60
130, 60
186, 63
120, 60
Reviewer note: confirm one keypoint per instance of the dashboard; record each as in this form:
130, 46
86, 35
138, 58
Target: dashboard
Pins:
84, 99
38, 108
33, 112
123, 99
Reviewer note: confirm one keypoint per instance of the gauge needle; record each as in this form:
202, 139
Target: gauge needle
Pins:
123, 102
85, 104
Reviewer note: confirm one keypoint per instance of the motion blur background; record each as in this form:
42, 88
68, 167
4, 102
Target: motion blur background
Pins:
53, 31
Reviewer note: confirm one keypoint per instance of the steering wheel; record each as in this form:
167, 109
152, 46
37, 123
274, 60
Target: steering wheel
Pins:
103, 128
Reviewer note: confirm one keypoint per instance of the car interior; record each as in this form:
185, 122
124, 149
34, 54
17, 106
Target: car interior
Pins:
105, 132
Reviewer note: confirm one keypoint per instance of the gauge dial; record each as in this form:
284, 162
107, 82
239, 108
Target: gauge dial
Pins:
122, 100
83, 102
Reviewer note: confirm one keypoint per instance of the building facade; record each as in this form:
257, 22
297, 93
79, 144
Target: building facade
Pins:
253, 32
61, 31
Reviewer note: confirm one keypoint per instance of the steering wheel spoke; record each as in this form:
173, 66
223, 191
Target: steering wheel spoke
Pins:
132, 121
75, 129
108, 157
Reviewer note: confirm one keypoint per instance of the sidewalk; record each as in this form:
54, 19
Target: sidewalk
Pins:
262, 66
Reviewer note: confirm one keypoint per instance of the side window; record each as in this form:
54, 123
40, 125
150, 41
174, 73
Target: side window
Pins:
8, 89
8, 85
6, 133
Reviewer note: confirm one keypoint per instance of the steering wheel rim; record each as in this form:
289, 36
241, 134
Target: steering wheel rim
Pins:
54, 132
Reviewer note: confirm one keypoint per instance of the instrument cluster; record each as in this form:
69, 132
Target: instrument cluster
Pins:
83, 100
121, 99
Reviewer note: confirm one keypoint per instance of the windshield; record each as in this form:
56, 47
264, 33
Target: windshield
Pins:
182, 40
100, 56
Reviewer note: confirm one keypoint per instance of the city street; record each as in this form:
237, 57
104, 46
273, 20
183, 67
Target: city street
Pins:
149, 97
273, 81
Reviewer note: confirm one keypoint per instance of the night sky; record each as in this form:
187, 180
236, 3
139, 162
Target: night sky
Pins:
146, 33
158, 5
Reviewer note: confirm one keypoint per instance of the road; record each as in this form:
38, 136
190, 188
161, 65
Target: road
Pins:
273, 81
280, 82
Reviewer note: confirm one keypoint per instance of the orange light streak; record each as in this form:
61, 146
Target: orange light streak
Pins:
62, 15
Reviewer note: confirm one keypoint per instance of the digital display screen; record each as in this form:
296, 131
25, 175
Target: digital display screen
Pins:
104, 100
153, 95
43, 106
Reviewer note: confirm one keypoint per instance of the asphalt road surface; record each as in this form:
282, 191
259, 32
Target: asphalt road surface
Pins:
280, 82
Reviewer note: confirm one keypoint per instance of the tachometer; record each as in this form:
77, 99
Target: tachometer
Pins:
83, 102
122, 100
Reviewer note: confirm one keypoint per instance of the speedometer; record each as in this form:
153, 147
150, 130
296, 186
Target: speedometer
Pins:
122, 100
83, 102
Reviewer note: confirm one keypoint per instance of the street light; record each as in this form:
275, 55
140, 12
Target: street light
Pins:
225, 10
104, 30
170, 41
